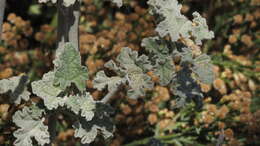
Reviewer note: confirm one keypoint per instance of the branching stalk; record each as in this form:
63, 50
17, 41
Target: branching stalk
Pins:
68, 31
68, 24
109, 95
2, 9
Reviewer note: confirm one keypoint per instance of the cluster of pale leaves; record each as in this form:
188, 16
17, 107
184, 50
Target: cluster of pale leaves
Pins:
68, 3
130, 68
91, 117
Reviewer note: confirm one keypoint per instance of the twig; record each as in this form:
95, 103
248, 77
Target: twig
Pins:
109, 95
2, 10
146, 140
52, 127
68, 24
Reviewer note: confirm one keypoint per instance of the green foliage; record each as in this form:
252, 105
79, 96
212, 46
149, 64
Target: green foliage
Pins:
69, 70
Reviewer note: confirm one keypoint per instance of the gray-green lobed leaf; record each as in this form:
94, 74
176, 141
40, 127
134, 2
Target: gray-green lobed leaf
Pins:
101, 81
131, 69
83, 104
165, 71
16, 87
177, 25
47, 91
130, 60
200, 31
203, 69
201, 65
119, 3
155, 47
66, 3
68, 68
31, 126
163, 63
135, 70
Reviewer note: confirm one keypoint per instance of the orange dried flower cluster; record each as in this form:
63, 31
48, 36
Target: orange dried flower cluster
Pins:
15, 31
46, 34
238, 58
125, 30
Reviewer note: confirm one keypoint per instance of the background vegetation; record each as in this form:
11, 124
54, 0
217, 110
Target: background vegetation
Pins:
231, 110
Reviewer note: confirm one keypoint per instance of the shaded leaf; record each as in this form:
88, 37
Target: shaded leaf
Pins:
130, 60
16, 87
132, 68
101, 122
155, 47
119, 3
83, 104
101, 81
165, 71
66, 3
186, 88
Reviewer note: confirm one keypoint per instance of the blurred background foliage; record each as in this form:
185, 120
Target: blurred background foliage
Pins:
231, 111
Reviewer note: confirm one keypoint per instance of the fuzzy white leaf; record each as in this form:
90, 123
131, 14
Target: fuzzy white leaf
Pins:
203, 69
31, 126
66, 3
177, 25
119, 3
134, 70
100, 123
44, 88
16, 87
84, 104
101, 81
200, 31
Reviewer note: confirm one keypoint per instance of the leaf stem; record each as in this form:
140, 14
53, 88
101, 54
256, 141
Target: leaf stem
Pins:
146, 140
109, 95
52, 126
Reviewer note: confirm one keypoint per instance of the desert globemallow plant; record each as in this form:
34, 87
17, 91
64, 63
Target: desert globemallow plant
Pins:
63, 90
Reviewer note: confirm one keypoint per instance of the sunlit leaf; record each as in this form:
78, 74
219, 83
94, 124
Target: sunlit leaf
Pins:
31, 126
47, 91
69, 69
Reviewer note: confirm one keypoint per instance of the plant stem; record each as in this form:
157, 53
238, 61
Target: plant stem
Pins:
146, 140
68, 24
52, 127
109, 95
2, 10
68, 31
